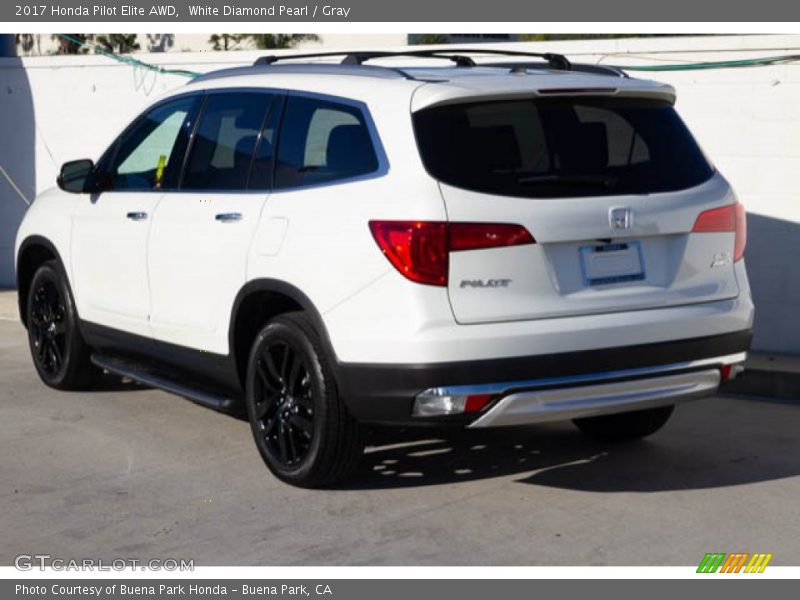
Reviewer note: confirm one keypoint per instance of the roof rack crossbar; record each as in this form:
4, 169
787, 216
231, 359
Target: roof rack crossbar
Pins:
457, 55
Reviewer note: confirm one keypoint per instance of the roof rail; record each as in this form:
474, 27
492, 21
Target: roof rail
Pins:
457, 55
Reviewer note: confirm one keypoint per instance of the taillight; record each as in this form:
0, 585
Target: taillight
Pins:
476, 236
741, 232
420, 249
726, 218
417, 249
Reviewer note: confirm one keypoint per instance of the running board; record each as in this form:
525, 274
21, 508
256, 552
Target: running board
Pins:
151, 379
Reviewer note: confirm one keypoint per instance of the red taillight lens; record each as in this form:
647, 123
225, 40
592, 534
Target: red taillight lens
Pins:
475, 236
420, 249
417, 249
741, 233
726, 218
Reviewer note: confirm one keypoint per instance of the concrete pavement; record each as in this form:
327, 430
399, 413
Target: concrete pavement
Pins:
134, 473
9, 310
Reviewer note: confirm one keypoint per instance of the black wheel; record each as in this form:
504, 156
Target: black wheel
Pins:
625, 426
59, 353
301, 427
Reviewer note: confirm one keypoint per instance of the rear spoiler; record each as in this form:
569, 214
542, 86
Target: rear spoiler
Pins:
459, 92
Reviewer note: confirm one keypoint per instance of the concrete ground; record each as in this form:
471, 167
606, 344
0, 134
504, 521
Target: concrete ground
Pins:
136, 473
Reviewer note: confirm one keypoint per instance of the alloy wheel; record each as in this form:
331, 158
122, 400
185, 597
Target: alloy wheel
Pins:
284, 406
49, 328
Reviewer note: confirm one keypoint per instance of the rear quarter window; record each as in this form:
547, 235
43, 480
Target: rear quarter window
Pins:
561, 147
321, 142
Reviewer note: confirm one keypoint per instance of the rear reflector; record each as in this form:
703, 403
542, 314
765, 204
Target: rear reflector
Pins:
726, 218
725, 373
420, 249
477, 402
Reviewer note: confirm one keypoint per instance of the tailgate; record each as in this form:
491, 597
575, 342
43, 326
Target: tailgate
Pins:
581, 265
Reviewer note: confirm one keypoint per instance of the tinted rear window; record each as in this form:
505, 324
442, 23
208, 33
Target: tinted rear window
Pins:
561, 147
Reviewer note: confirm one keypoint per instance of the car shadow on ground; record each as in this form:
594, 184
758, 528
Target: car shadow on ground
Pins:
680, 457
736, 442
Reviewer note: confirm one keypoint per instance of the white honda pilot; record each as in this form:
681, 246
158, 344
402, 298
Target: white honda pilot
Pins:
333, 245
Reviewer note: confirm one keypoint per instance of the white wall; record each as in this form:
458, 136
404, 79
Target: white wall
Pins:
44, 43
748, 120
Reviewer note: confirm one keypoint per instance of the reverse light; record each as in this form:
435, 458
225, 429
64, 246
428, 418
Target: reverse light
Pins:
726, 218
420, 249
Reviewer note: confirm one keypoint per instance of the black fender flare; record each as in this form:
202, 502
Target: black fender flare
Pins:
279, 286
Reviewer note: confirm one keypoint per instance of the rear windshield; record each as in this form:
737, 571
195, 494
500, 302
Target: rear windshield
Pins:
561, 147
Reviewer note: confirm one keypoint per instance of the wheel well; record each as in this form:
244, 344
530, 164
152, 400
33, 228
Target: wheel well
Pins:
30, 259
253, 312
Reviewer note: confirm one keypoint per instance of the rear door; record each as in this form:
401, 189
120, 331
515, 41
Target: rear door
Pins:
202, 232
609, 187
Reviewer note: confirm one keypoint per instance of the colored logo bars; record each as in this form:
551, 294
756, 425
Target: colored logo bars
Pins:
734, 563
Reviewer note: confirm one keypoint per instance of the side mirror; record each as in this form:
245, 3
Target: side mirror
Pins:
76, 176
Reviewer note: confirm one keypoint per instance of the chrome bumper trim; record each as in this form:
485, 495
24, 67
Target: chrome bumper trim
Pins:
539, 406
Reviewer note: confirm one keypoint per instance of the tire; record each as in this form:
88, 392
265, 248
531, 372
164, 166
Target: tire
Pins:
301, 426
625, 426
60, 355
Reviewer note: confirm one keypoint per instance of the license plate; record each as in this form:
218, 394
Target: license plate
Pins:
612, 263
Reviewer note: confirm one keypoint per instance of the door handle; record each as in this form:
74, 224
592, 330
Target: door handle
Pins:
229, 217
137, 216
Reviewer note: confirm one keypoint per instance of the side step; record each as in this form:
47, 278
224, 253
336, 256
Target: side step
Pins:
157, 380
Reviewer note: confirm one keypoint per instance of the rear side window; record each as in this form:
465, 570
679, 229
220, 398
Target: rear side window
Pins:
561, 147
322, 142
222, 150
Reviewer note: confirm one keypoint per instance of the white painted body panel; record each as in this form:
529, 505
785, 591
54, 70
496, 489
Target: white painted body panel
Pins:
109, 259
389, 323
197, 264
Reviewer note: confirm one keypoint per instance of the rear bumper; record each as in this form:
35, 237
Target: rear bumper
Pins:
547, 387
529, 406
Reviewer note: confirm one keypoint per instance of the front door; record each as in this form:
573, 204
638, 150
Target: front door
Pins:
111, 228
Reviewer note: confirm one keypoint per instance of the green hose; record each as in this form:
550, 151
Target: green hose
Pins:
722, 64
129, 60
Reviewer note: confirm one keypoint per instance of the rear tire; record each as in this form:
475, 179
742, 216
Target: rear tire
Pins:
60, 355
625, 426
301, 426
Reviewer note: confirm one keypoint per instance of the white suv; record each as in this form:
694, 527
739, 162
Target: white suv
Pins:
333, 245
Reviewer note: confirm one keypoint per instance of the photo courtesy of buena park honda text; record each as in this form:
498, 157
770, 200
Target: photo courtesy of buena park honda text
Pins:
425, 299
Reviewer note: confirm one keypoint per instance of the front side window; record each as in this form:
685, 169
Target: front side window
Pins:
322, 141
149, 154
561, 147
221, 156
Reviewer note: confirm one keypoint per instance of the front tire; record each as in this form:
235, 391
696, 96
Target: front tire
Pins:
60, 355
301, 426
625, 426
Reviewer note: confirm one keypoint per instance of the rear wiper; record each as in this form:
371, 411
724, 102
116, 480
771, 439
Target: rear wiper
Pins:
600, 180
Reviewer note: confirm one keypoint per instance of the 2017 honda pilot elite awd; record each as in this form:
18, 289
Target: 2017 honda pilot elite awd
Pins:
334, 245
